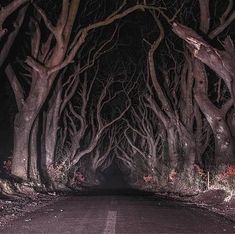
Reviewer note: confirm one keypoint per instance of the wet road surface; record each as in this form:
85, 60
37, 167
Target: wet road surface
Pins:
109, 214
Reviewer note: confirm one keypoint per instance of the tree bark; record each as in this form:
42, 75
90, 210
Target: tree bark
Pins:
46, 61
51, 129
33, 149
172, 146
12, 36
221, 62
23, 125
224, 146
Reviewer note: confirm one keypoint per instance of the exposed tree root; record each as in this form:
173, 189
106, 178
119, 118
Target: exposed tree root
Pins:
8, 190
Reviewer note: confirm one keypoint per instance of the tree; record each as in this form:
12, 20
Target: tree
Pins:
49, 56
7, 36
221, 63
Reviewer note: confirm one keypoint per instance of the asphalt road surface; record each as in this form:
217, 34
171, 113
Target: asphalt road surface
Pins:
109, 214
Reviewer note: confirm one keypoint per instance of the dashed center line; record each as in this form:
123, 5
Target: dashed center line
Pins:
110, 222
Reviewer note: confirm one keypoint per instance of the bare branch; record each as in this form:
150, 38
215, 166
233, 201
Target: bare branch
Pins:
45, 19
153, 75
16, 86
73, 8
210, 56
204, 15
7, 11
11, 38
36, 40
63, 16
227, 106
41, 69
222, 26
133, 145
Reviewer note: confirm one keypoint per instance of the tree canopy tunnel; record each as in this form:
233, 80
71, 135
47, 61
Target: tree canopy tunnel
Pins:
114, 178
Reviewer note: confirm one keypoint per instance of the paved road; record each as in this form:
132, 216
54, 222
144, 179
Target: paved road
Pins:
122, 214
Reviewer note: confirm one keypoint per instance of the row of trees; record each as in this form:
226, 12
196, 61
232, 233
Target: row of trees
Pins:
163, 116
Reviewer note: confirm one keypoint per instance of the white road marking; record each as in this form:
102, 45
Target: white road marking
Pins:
110, 222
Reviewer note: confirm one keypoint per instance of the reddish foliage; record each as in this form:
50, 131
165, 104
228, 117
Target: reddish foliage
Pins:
172, 175
79, 178
229, 171
199, 171
148, 179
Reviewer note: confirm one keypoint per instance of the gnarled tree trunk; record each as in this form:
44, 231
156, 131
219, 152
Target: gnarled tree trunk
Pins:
224, 146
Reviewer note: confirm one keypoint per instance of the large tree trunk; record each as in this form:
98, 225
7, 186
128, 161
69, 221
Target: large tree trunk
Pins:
189, 145
172, 146
224, 146
51, 128
152, 161
33, 162
231, 122
23, 125
22, 130
42, 80
171, 132
220, 61
185, 127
